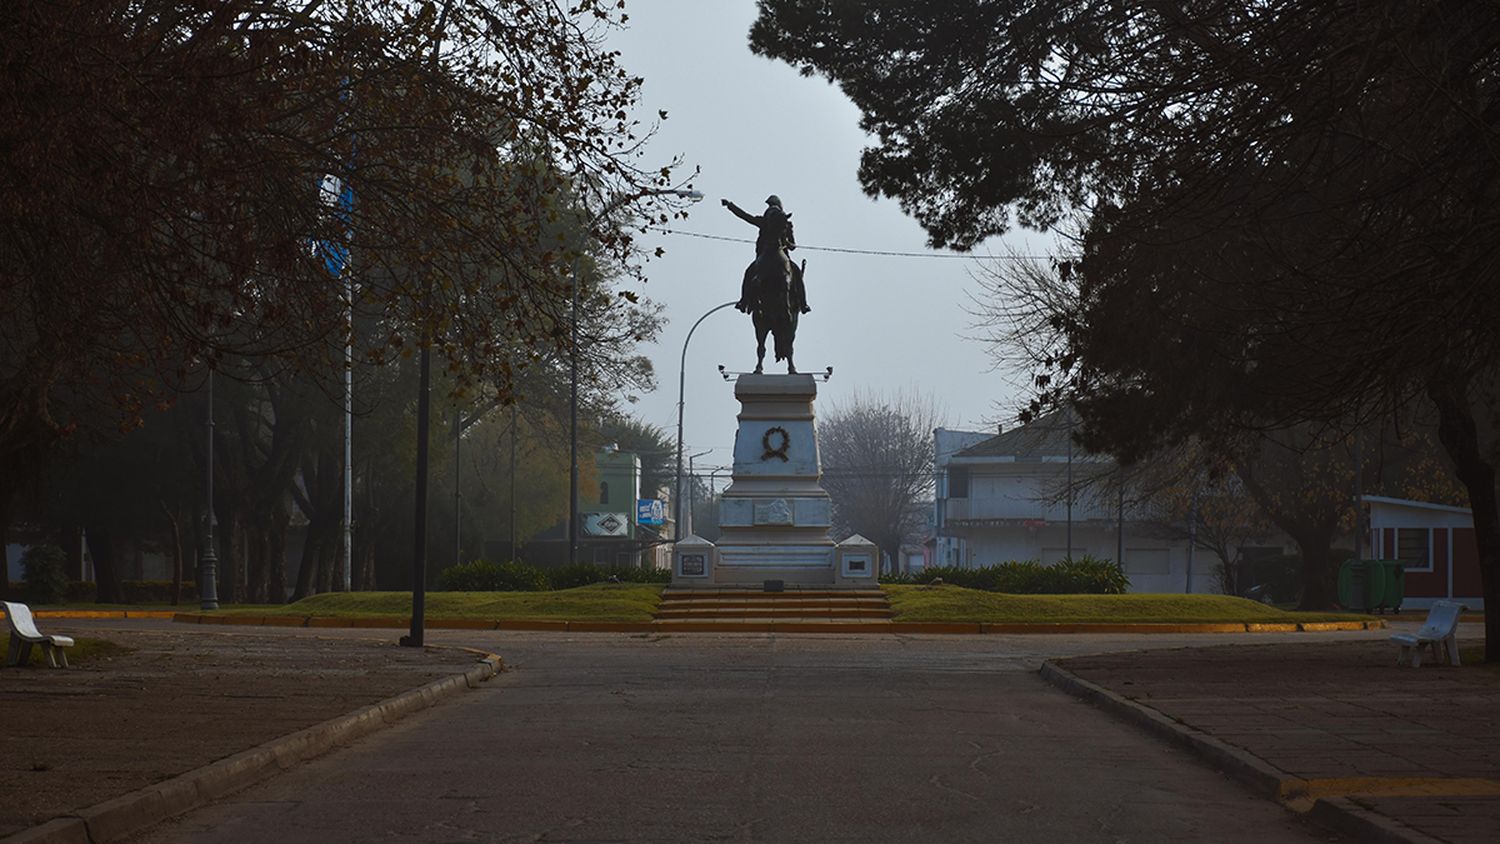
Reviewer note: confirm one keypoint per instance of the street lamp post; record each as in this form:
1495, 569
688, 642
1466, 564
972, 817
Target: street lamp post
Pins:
681, 390
573, 356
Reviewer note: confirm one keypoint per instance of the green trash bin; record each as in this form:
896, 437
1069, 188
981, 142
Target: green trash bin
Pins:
1353, 591
1391, 575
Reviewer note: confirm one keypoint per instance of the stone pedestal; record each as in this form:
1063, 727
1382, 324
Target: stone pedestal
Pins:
774, 518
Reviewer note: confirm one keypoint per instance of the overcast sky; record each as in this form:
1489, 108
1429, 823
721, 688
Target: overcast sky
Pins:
756, 127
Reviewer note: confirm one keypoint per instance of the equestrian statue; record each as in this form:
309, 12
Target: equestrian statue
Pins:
773, 293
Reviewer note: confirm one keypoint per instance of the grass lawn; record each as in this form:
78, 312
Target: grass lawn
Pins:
954, 603
598, 602
82, 651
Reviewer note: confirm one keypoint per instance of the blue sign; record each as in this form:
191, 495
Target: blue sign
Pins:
650, 511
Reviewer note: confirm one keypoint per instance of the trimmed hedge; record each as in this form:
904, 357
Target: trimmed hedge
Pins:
485, 576
1084, 576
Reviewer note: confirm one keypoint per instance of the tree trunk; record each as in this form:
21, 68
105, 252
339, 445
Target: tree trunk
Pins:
1460, 437
106, 570
1319, 577
175, 538
308, 570
70, 540
5, 542
276, 560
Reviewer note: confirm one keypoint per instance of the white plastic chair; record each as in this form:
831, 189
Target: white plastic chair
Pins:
1440, 631
23, 634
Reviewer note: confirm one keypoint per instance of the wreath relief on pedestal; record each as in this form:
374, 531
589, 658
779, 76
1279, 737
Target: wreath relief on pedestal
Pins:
782, 440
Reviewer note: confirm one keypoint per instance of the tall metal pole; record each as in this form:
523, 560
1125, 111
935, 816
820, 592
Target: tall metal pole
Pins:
419, 544
513, 438
348, 526
458, 496
208, 561
1070, 481
573, 426
681, 391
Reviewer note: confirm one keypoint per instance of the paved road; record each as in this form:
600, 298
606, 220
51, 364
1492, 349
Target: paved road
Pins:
756, 738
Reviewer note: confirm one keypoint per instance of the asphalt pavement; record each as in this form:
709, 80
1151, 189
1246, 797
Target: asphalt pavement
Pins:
601, 737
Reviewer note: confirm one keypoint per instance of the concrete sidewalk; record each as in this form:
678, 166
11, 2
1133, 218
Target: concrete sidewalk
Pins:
178, 700
1383, 751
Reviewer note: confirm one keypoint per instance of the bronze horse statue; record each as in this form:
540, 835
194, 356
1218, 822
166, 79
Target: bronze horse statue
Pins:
773, 310
773, 292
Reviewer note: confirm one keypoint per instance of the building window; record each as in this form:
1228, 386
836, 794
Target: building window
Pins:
604, 492
1414, 548
958, 482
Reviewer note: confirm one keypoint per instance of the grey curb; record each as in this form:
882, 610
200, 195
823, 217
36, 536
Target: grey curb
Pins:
128, 814
1338, 813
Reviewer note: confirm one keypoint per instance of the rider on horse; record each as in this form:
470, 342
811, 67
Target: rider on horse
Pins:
775, 227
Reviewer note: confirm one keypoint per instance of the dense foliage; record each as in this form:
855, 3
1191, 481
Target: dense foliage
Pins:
46, 580
1085, 575
184, 187
1294, 200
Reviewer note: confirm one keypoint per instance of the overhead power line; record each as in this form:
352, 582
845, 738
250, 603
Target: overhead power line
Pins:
850, 251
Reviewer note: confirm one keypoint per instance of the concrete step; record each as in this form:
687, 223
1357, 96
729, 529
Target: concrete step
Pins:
760, 609
811, 603
775, 612
752, 624
758, 595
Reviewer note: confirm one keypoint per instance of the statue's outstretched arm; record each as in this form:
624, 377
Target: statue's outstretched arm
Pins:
740, 212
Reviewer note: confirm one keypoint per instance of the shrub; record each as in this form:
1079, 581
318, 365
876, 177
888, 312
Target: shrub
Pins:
1089, 575
485, 576
45, 570
582, 574
1085, 575
578, 574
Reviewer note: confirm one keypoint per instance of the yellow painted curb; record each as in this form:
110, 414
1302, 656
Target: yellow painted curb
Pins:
959, 627
559, 626
1271, 627
101, 613
1330, 626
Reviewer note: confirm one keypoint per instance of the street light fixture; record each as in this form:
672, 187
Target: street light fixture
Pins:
573, 353
681, 390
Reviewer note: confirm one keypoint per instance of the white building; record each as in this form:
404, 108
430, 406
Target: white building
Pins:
1004, 497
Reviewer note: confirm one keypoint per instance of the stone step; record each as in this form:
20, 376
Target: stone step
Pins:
758, 601
774, 612
754, 624
679, 594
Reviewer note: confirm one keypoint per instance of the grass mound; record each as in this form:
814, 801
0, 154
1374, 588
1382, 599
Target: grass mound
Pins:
956, 604
597, 602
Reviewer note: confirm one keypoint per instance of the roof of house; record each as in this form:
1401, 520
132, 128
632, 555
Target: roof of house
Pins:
1045, 436
1415, 505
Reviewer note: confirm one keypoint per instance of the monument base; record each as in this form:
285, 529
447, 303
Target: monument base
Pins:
775, 517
